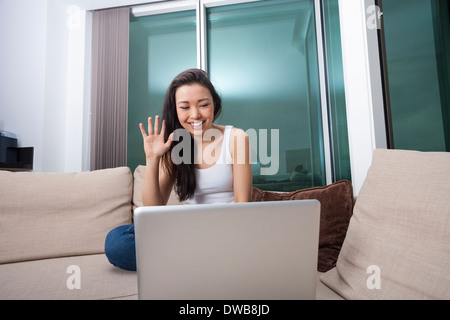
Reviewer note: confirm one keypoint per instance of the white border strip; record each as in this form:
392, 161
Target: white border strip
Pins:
323, 93
163, 7
199, 29
202, 26
217, 3
360, 88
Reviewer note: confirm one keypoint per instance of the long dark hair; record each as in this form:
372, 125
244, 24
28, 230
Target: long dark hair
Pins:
184, 174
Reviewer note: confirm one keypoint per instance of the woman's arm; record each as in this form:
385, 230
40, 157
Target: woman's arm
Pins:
157, 184
242, 168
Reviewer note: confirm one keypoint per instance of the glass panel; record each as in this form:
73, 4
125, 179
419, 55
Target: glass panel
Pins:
161, 46
441, 17
263, 59
417, 86
336, 90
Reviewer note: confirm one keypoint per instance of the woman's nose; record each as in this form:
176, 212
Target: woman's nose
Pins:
195, 113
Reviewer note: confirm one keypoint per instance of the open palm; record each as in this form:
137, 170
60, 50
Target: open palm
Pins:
154, 144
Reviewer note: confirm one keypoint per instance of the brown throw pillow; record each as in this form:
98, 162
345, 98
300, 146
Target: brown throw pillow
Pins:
336, 202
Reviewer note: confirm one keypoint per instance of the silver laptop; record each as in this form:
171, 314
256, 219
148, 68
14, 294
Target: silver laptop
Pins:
238, 251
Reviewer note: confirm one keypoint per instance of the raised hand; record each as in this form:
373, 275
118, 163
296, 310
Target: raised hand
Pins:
154, 144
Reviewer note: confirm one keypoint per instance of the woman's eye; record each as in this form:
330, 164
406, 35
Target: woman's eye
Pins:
184, 108
204, 105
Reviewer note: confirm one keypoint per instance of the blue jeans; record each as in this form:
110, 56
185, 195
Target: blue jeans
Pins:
120, 247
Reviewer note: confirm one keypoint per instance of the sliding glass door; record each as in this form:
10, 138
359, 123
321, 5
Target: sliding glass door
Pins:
417, 55
263, 58
267, 59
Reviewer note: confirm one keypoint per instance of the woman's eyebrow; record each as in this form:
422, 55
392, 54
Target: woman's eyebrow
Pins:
204, 99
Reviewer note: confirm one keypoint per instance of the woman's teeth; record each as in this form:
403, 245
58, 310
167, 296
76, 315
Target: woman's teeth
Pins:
197, 124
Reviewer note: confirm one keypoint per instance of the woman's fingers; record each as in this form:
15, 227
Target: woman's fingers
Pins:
156, 125
141, 126
150, 126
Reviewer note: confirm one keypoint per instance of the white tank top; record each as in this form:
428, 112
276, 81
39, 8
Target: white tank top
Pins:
215, 184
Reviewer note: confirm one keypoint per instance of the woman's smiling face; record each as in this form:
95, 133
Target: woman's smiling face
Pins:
195, 108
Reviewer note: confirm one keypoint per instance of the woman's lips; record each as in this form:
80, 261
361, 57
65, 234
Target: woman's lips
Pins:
196, 124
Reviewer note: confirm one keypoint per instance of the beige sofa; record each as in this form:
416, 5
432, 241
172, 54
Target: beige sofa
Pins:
393, 244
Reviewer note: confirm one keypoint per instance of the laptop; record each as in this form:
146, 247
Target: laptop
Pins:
237, 251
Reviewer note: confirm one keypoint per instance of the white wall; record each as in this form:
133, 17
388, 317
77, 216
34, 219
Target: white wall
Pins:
37, 81
23, 41
53, 152
45, 78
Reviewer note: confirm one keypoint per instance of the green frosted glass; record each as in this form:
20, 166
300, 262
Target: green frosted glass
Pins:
417, 54
161, 46
336, 91
262, 56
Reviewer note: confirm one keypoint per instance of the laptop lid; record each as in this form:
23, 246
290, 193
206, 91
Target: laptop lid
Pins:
237, 251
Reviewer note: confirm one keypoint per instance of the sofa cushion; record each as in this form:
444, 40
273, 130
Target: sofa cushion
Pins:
397, 244
76, 278
323, 292
336, 205
45, 215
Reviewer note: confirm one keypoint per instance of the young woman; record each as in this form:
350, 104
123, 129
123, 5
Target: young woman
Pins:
203, 162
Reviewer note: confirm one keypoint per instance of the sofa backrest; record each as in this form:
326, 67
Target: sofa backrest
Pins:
45, 215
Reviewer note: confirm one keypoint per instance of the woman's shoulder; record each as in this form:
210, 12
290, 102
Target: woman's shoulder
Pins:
239, 139
238, 132
234, 131
239, 144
